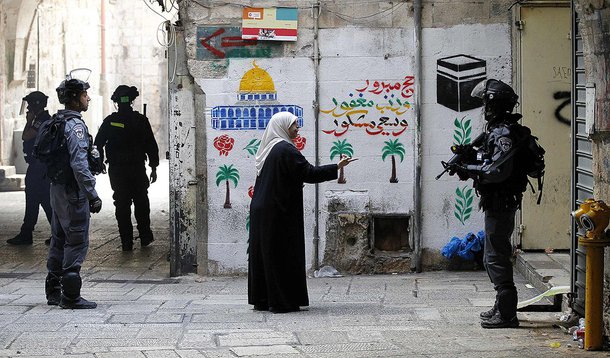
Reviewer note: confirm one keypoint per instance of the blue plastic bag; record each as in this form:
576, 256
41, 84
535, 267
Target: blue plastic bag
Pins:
466, 247
451, 248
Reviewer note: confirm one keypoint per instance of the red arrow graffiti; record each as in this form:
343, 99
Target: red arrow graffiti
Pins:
212, 49
230, 41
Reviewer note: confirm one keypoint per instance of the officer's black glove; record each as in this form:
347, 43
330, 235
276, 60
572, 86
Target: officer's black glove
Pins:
459, 170
153, 175
95, 205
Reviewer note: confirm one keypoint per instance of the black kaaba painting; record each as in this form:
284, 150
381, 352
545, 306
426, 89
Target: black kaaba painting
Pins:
456, 76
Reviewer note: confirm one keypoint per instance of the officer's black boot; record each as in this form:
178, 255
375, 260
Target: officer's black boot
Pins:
506, 314
146, 237
52, 287
126, 243
22, 238
70, 293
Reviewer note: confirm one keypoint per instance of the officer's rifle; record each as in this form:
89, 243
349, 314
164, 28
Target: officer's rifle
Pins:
459, 151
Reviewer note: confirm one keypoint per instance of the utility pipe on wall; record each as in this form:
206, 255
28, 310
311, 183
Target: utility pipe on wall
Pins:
417, 10
316, 106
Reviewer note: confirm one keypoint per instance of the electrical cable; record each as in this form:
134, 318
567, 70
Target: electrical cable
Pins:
361, 19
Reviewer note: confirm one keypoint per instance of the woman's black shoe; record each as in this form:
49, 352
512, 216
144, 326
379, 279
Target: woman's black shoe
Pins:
284, 309
261, 307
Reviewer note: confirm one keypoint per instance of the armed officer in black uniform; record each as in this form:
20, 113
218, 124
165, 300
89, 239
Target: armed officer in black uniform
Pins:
128, 140
500, 182
37, 184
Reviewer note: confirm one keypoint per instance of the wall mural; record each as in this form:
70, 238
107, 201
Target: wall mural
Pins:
256, 102
464, 196
224, 144
299, 142
463, 203
252, 146
225, 42
393, 148
340, 149
226, 173
377, 107
456, 76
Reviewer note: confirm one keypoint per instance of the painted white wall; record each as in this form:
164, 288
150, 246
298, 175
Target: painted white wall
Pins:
346, 65
487, 42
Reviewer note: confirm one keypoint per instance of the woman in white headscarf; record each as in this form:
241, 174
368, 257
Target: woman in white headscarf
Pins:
276, 267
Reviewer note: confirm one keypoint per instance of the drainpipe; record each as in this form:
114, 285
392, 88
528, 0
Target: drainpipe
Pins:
417, 9
316, 112
103, 85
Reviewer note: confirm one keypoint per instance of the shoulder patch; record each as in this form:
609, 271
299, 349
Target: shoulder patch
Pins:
79, 131
505, 144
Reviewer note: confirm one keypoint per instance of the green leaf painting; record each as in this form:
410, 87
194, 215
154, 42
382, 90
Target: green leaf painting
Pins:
252, 146
463, 203
463, 131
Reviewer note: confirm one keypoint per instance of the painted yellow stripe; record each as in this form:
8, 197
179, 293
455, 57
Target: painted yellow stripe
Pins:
117, 124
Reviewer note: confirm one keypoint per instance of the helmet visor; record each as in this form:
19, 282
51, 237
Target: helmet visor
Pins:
479, 90
79, 74
24, 106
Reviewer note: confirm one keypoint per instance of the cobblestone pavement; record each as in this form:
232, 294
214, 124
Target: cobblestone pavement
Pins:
143, 312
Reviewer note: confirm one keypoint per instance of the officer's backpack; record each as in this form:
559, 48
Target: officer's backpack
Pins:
532, 161
50, 149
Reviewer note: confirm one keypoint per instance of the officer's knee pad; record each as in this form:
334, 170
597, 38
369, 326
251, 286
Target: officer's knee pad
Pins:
52, 282
71, 284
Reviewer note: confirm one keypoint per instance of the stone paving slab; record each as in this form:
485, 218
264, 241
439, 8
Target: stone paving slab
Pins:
144, 313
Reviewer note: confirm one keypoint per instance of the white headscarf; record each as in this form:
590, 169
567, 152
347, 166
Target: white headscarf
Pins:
276, 131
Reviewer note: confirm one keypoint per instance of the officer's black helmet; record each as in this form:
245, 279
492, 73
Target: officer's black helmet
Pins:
71, 89
36, 99
497, 95
124, 94
74, 84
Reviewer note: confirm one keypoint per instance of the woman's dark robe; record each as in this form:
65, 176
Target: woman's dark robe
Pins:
276, 267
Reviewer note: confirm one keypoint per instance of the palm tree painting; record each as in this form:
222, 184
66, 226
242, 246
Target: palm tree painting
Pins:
227, 173
393, 148
341, 148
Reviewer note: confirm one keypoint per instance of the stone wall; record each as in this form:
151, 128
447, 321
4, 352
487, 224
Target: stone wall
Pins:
67, 34
595, 29
364, 86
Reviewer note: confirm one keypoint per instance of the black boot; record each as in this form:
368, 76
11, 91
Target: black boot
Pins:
52, 287
70, 293
126, 243
21, 239
498, 322
488, 314
146, 240
146, 236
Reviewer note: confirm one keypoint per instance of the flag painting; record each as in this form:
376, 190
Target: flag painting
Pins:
275, 24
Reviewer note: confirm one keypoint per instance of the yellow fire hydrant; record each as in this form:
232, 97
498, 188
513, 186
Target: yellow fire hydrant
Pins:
593, 217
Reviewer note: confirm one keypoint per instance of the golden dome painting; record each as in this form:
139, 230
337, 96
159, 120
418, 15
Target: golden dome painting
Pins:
256, 103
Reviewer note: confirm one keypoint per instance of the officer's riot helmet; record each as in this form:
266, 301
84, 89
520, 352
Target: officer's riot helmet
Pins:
74, 84
124, 95
34, 101
498, 97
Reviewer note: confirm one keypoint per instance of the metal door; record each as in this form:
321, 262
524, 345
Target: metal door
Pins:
545, 73
582, 164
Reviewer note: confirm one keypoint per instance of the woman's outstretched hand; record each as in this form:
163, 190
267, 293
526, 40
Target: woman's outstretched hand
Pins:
345, 161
